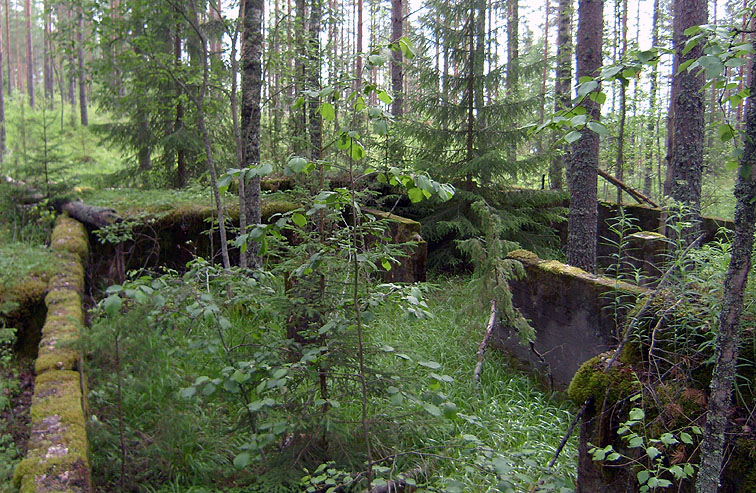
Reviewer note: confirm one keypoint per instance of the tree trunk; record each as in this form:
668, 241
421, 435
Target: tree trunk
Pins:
723, 376
582, 173
181, 172
46, 68
562, 84
686, 153
8, 49
251, 61
313, 76
2, 105
29, 54
82, 79
652, 127
396, 58
620, 163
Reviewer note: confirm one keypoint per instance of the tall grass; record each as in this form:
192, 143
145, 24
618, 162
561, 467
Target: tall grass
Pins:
177, 444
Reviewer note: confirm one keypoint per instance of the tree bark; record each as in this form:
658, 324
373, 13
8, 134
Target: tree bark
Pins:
82, 78
251, 61
651, 127
2, 105
8, 49
46, 68
723, 376
396, 58
686, 153
620, 163
299, 116
313, 76
581, 176
562, 85
29, 54
181, 172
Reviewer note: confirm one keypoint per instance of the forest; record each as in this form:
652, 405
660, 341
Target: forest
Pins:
268, 246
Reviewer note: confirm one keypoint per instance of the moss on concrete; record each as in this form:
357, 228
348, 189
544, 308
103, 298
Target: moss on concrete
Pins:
70, 236
592, 380
56, 459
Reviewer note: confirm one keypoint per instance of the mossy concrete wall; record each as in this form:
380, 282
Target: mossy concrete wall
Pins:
411, 268
56, 458
573, 312
644, 217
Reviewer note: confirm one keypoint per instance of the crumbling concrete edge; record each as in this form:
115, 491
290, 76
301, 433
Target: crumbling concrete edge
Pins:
57, 455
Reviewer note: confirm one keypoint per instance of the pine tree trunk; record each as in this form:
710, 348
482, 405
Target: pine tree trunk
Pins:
29, 54
686, 152
396, 58
313, 76
723, 376
562, 85
299, 116
8, 49
652, 126
251, 62
82, 79
46, 69
620, 163
2, 105
181, 173
582, 173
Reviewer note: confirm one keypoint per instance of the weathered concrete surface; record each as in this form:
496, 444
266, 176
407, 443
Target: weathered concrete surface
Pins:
573, 312
412, 267
56, 458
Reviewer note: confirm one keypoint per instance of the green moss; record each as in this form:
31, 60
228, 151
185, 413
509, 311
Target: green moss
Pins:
272, 207
524, 256
70, 235
58, 447
591, 380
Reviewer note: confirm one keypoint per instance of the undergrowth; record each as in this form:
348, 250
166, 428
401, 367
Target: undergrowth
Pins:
426, 414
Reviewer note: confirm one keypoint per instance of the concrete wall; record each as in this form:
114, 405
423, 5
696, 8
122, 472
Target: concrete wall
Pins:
572, 312
56, 457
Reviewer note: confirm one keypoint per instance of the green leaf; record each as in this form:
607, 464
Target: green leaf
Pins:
587, 87
188, 392
686, 438
598, 97
712, 65
725, 132
298, 103
432, 409
430, 364
384, 96
386, 264
223, 183
377, 60
578, 120
380, 127
357, 152
636, 414
643, 476
652, 452
407, 49
299, 219
112, 305
597, 127
242, 460
573, 136
297, 164
327, 111
684, 66
415, 194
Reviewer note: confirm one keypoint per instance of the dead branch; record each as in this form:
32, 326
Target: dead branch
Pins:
639, 197
484, 342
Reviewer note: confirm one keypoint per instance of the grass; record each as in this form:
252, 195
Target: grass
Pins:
177, 444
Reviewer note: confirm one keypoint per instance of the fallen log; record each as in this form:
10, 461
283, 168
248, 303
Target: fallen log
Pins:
91, 215
88, 214
639, 197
